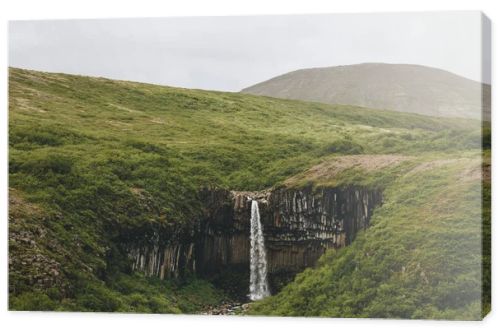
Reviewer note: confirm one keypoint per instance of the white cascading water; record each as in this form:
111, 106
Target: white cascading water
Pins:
259, 287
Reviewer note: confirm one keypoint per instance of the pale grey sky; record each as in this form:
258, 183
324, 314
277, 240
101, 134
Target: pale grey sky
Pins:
231, 53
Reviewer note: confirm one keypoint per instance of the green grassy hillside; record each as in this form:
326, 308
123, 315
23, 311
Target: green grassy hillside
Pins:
421, 257
91, 160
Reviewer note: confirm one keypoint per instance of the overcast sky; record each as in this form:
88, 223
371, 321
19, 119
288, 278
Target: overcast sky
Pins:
231, 53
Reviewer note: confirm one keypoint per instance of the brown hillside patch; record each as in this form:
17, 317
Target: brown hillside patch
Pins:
472, 169
331, 168
428, 165
476, 171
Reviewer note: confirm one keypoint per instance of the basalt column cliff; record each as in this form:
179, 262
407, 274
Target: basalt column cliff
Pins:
298, 226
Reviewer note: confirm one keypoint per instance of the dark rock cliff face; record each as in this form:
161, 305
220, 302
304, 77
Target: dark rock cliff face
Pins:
299, 225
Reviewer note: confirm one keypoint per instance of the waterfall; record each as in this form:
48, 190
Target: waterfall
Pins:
258, 264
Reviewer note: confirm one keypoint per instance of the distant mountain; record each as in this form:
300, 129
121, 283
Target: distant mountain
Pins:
408, 88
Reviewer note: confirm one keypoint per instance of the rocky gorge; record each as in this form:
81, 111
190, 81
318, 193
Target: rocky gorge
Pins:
299, 225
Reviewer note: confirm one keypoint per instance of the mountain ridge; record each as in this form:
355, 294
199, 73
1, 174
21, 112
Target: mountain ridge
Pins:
405, 87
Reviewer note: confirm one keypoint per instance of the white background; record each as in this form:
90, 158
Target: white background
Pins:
36, 322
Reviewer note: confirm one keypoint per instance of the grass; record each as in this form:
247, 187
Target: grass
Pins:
94, 162
421, 258
126, 293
